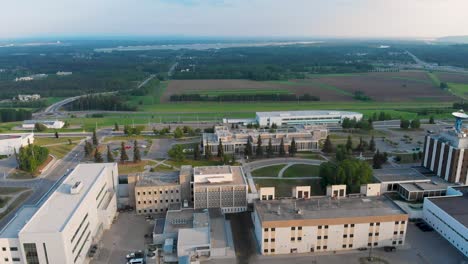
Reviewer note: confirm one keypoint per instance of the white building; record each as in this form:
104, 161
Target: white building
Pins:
11, 142
448, 215
54, 124
283, 118
63, 73
62, 228
27, 97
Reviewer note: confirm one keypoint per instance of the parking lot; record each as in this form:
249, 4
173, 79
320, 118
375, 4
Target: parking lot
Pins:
126, 235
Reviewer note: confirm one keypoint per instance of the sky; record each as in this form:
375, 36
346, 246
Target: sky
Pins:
234, 18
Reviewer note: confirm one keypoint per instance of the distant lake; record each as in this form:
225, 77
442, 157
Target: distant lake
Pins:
203, 46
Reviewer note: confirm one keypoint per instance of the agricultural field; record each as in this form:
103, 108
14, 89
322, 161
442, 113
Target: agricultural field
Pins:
452, 77
380, 87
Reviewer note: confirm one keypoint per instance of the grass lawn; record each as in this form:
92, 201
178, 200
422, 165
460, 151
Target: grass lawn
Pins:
130, 167
21, 175
459, 89
127, 138
18, 201
309, 155
284, 186
163, 168
4, 200
59, 151
434, 78
41, 141
11, 190
301, 170
240, 92
270, 171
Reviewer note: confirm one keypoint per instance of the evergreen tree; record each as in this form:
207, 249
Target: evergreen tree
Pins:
220, 149
327, 146
95, 140
378, 160
415, 124
97, 156
404, 124
208, 154
116, 127
372, 144
88, 149
431, 120
196, 152
349, 144
248, 148
123, 153
178, 133
259, 150
282, 151
56, 134
110, 157
269, 150
293, 148
136, 152
360, 146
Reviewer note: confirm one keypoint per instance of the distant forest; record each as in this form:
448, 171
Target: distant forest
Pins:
444, 55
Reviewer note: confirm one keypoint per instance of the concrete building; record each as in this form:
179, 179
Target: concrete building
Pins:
11, 142
307, 138
54, 124
448, 215
189, 235
27, 97
63, 226
326, 225
410, 184
446, 156
288, 118
222, 187
154, 194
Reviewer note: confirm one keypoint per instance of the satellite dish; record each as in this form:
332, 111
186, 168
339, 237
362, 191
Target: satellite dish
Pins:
460, 114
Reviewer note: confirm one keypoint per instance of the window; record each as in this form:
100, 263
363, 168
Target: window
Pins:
396, 222
378, 224
172, 191
394, 243
402, 222
319, 227
265, 251
350, 245
16, 259
4, 248
344, 246
155, 201
139, 202
345, 236
293, 239
369, 244
325, 247
6, 259
265, 240
272, 240
177, 191
352, 225
395, 233
293, 228
371, 224
299, 228
160, 192
138, 193
318, 247
30, 252
346, 225
376, 244
272, 250
166, 191
319, 237
370, 234
377, 233
325, 237
352, 235
265, 229
273, 229
326, 227
400, 242
402, 232
299, 238
150, 210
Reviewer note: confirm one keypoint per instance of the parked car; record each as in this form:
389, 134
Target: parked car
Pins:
362, 249
135, 255
389, 248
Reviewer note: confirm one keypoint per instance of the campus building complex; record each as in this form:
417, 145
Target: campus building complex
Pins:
9, 143
448, 215
222, 187
446, 156
235, 141
63, 227
287, 118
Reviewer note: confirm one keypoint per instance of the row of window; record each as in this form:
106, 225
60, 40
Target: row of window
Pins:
11, 249
160, 192
151, 210
399, 242
156, 201
396, 232
12, 259
294, 228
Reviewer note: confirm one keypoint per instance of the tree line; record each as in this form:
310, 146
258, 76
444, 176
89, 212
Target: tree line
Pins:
242, 97
100, 102
11, 115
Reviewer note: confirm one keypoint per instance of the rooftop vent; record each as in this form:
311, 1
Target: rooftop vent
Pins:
76, 188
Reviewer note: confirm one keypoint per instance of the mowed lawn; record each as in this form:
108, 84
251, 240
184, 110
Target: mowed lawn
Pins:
58, 147
283, 187
301, 170
459, 89
270, 171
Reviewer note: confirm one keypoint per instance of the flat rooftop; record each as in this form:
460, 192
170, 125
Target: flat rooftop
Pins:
325, 208
158, 179
12, 229
55, 212
238, 177
189, 237
210, 170
13, 136
305, 113
399, 175
455, 206
176, 220
433, 184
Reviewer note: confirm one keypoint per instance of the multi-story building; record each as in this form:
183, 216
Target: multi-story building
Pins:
282, 118
9, 143
222, 187
63, 226
307, 138
154, 194
446, 155
325, 224
448, 215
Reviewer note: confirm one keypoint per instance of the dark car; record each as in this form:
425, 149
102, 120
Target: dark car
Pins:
389, 248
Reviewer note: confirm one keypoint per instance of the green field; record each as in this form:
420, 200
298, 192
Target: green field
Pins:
301, 170
41, 141
435, 79
270, 171
458, 89
283, 187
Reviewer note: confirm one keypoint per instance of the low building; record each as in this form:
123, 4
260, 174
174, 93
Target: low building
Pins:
64, 73
288, 118
27, 97
326, 225
222, 187
155, 193
54, 124
63, 227
9, 143
448, 215
187, 235
307, 138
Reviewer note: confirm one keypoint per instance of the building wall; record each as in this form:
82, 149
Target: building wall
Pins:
448, 227
230, 198
285, 237
10, 250
156, 199
8, 146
